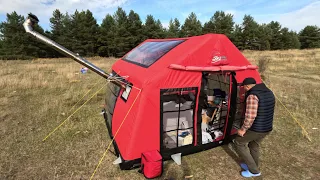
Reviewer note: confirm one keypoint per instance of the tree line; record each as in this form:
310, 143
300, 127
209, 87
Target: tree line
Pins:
120, 32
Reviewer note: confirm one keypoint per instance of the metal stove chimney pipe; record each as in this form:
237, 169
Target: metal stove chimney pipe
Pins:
28, 26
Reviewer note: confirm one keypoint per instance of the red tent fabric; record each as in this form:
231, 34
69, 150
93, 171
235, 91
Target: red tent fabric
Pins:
180, 67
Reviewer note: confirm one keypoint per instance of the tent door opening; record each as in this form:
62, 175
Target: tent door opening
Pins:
215, 108
177, 118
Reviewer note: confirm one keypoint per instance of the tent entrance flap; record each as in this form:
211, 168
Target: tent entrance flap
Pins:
177, 117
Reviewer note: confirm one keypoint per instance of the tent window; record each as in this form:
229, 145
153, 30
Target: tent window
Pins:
149, 52
178, 107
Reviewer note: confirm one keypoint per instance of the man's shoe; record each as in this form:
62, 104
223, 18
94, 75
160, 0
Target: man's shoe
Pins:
244, 166
248, 174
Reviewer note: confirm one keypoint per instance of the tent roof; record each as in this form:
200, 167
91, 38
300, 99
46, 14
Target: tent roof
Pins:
209, 52
205, 50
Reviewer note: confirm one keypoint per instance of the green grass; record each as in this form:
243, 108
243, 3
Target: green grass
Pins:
36, 96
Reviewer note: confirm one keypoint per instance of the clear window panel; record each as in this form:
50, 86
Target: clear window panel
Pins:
186, 119
185, 137
170, 139
149, 52
170, 121
178, 117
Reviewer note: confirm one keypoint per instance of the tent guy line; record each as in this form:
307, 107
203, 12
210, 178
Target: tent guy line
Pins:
108, 80
104, 154
87, 92
73, 113
294, 118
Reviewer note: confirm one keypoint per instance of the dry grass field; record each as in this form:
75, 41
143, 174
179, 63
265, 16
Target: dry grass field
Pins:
35, 96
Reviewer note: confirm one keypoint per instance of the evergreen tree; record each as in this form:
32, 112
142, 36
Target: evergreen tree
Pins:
289, 39
192, 26
16, 43
135, 29
67, 37
13, 35
174, 29
57, 30
119, 33
2, 51
236, 37
91, 33
220, 23
265, 37
85, 33
250, 33
56, 24
153, 29
122, 35
106, 38
294, 42
162, 30
310, 37
75, 35
276, 42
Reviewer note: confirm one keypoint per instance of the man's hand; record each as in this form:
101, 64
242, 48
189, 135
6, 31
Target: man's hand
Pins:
241, 132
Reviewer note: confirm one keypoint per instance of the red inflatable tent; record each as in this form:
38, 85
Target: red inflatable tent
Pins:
170, 81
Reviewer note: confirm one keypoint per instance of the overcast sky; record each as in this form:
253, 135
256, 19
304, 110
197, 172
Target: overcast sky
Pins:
294, 14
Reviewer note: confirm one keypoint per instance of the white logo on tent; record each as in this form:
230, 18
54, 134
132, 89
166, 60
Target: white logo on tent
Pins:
218, 58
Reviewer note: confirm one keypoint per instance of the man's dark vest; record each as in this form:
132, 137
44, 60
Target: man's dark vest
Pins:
264, 120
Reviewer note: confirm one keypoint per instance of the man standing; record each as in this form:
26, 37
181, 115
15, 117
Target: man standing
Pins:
260, 104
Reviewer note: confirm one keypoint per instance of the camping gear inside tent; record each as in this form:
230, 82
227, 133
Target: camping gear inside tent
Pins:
162, 103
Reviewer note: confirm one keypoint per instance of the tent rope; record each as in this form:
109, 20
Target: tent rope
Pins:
305, 133
104, 154
86, 93
73, 113
295, 119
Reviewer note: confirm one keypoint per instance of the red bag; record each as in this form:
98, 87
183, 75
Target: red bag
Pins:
151, 164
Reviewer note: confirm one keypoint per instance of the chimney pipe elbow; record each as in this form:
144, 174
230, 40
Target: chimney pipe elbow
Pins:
28, 25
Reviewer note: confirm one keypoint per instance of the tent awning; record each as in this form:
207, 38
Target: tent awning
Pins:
213, 68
